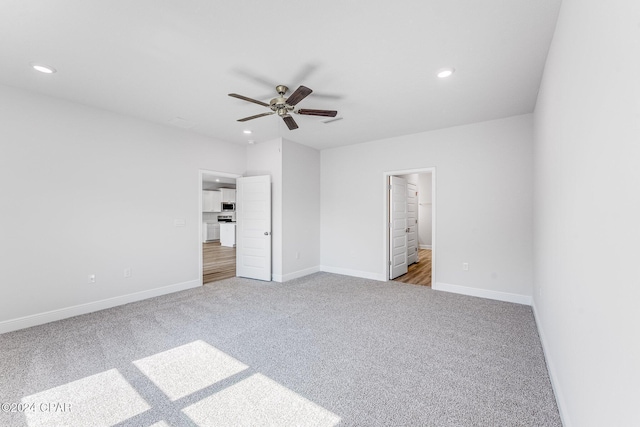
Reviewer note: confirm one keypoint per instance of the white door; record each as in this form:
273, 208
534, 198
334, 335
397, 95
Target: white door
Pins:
398, 226
412, 223
253, 218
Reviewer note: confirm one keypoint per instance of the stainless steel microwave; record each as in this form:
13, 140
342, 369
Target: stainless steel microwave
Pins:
228, 207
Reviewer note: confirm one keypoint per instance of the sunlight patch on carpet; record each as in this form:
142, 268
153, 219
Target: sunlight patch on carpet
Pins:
184, 370
103, 399
259, 401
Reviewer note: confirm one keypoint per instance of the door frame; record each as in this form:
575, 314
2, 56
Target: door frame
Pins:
201, 174
385, 228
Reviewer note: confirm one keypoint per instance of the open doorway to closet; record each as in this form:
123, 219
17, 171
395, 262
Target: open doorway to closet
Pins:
218, 256
410, 231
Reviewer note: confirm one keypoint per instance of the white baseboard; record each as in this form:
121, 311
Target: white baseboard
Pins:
425, 246
354, 273
557, 391
483, 293
90, 307
296, 274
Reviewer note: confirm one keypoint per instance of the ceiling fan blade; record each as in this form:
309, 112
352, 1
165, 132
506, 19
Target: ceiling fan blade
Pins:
291, 124
256, 116
301, 93
324, 113
304, 73
322, 95
244, 98
256, 78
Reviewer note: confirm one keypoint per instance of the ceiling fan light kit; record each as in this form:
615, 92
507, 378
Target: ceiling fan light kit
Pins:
283, 106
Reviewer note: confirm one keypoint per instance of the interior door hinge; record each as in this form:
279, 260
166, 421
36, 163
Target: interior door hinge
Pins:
390, 187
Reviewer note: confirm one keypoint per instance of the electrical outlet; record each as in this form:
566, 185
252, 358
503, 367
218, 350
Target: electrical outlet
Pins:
465, 266
92, 278
127, 273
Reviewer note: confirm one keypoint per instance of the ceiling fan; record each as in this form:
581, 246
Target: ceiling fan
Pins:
283, 106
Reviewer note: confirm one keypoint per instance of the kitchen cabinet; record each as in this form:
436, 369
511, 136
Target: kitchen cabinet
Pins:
211, 231
228, 234
228, 194
211, 201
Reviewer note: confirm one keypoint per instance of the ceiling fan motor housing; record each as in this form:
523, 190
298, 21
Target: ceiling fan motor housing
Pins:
279, 104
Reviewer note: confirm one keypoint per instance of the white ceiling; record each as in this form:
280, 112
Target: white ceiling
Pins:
373, 61
218, 181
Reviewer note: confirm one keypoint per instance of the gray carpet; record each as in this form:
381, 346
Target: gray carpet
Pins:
322, 350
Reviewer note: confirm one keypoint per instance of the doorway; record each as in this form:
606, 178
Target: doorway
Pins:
217, 256
410, 226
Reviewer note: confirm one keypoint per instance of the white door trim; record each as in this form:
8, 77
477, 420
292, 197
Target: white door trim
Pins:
385, 225
201, 174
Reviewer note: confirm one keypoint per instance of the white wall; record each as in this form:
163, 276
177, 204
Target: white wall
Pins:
425, 206
300, 210
265, 158
85, 191
295, 186
587, 210
484, 197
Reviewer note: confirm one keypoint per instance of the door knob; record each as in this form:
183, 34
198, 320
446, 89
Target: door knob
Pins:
266, 233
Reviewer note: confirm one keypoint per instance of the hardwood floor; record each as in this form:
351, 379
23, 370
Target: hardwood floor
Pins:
420, 272
218, 262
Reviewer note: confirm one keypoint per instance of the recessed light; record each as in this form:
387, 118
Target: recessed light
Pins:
247, 131
217, 180
43, 68
443, 73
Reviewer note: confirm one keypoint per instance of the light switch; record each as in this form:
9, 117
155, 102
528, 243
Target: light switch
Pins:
180, 222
